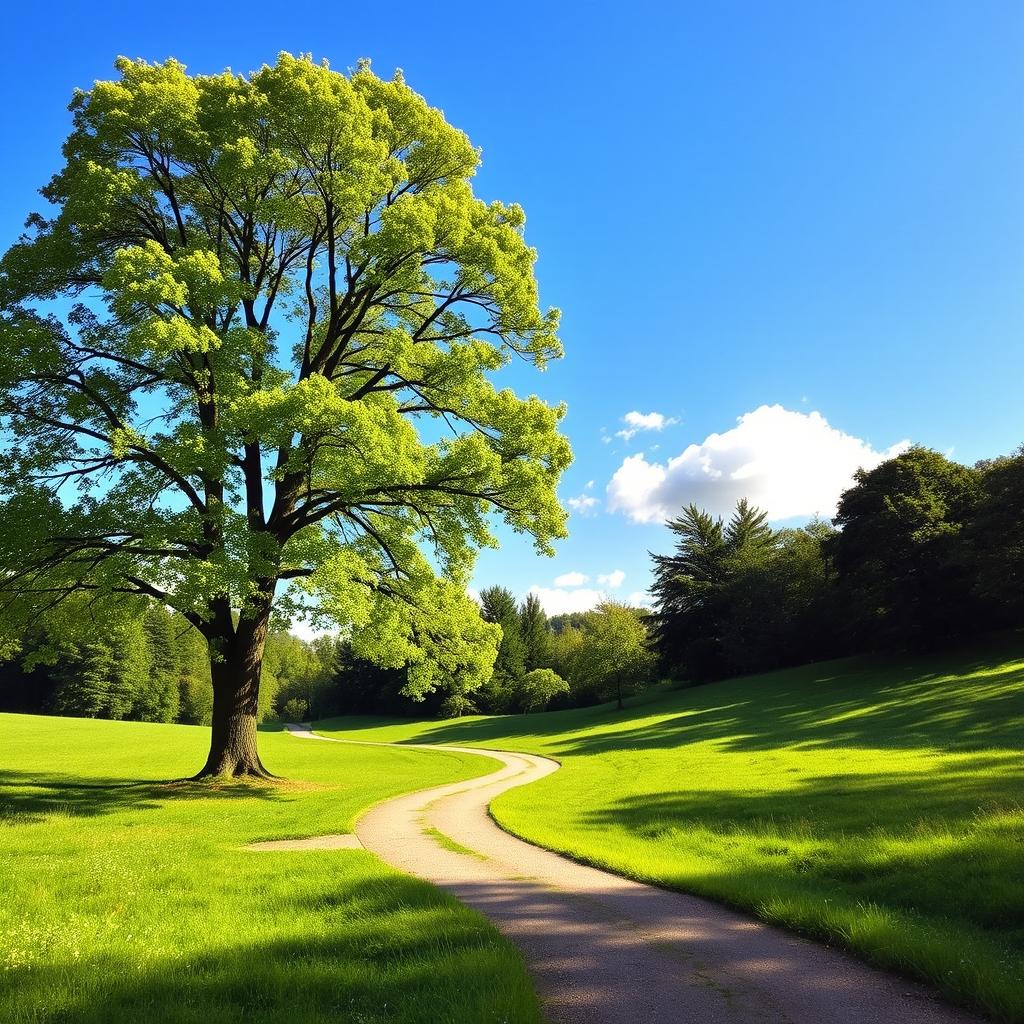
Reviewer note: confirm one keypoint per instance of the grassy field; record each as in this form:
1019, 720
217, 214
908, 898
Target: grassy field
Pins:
877, 805
124, 899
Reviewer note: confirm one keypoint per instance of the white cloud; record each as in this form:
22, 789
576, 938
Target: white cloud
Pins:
583, 503
787, 463
612, 579
640, 599
556, 601
637, 421
648, 420
571, 579
473, 595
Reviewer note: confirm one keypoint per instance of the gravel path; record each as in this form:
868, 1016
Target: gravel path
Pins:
606, 950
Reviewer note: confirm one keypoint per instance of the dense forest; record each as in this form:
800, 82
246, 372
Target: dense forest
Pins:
923, 551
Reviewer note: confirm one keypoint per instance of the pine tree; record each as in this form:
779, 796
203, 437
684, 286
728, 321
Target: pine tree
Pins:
533, 626
499, 606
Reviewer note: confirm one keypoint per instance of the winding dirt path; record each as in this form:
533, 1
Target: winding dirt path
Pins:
606, 950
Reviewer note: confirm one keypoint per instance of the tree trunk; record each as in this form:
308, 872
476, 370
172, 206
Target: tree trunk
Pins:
235, 670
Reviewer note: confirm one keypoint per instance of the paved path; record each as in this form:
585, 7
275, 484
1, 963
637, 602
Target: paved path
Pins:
606, 950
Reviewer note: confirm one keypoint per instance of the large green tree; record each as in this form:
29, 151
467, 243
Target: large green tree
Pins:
245, 369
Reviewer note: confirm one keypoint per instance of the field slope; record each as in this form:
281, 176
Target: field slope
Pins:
124, 899
872, 804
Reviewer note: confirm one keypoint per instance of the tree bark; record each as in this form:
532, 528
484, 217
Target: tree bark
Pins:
235, 663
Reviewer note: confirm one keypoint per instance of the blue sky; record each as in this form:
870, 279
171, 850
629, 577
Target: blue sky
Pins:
813, 206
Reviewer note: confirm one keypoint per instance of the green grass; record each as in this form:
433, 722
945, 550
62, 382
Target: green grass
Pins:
125, 899
447, 843
876, 805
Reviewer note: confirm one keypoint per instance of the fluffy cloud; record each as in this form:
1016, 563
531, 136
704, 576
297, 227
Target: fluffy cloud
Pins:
584, 504
787, 463
640, 599
569, 595
637, 421
571, 579
557, 601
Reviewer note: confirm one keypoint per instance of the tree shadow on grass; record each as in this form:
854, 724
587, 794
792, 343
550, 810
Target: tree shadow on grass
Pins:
943, 846
26, 797
864, 703
389, 949
858, 702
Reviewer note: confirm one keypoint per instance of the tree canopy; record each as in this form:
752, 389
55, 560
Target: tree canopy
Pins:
899, 551
245, 366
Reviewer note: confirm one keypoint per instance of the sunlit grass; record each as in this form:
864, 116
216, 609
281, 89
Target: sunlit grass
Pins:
124, 898
873, 804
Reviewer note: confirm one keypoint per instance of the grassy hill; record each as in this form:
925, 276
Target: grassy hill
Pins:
873, 804
125, 899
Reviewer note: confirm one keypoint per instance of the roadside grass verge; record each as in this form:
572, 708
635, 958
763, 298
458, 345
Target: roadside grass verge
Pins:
125, 898
873, 804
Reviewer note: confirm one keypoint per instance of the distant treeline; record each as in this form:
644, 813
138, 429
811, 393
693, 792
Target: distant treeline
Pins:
156, 668
541, 663
153, 668
922, 551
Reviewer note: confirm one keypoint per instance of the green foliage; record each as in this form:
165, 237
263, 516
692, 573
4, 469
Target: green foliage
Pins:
130, 661
90, 682
303, 672
738, 596
613, 659
994, 540
498, 606
540, 687
295, 709
195, 700
533, 628
160, 698
99, 664
563, 651
927, 551
192, 669
288, 294
899, 553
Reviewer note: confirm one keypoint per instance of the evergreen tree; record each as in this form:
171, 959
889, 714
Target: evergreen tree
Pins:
535, 633
698, 622
159, 699
101, 672
686, 587
500, 694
